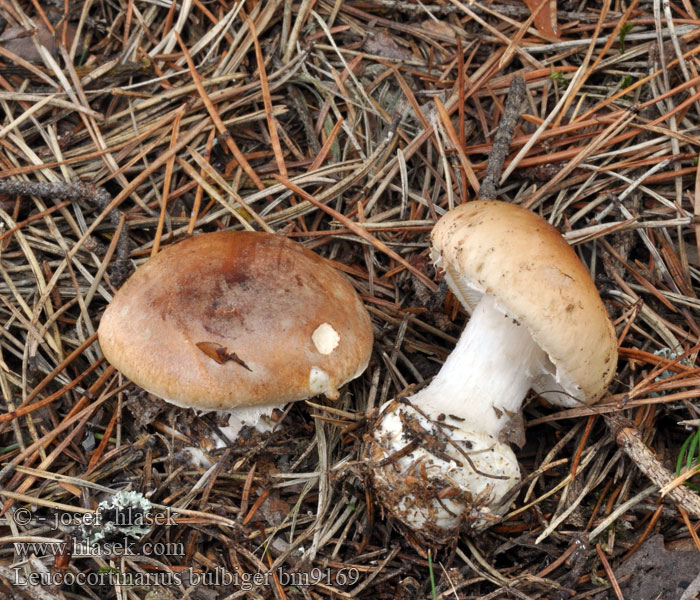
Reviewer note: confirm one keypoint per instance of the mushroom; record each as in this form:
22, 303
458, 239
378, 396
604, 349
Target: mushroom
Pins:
439, 459
241, 322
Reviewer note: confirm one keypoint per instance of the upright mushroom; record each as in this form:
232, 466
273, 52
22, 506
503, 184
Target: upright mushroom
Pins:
238, 322
440, 458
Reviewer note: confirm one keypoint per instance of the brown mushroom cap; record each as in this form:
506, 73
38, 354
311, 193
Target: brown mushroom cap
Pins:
536, 278
237, 319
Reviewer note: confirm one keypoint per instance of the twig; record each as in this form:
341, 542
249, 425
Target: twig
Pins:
77, 192
629, 439
501, 141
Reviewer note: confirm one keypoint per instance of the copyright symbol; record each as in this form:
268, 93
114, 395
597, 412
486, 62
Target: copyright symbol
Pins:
23, 516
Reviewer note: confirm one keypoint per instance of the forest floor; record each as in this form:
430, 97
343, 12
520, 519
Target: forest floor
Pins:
142, 122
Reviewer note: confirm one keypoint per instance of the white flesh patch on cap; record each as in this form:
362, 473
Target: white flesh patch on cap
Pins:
325, 338
320, 383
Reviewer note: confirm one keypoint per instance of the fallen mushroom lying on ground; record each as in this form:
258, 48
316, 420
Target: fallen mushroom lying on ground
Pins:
440, 458
238, 322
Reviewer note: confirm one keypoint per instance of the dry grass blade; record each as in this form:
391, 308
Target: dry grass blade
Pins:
355, 228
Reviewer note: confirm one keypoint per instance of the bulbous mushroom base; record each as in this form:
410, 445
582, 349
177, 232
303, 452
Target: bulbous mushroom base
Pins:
437, 478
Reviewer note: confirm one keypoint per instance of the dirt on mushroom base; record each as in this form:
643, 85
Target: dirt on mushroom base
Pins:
437, 480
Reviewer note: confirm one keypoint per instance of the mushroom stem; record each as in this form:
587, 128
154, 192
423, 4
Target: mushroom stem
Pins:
454, 466
484, 380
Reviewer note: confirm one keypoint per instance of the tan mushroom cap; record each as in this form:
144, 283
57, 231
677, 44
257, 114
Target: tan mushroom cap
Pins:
237, 319
536, 278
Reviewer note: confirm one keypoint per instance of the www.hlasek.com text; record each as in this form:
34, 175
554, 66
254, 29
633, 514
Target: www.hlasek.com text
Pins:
124, 546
